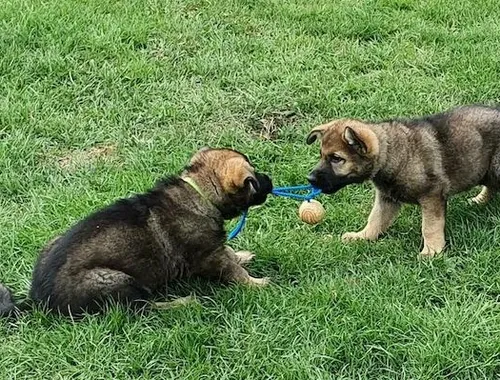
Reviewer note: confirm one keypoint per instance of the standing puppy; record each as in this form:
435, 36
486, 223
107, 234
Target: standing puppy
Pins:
131, 249
421, 161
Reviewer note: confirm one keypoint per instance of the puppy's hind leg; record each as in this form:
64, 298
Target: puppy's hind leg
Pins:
94, 287
491, 182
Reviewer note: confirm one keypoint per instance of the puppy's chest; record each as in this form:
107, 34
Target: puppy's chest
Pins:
396, 191
181, 240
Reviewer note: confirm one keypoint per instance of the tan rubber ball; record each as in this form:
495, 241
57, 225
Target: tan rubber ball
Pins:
311, 212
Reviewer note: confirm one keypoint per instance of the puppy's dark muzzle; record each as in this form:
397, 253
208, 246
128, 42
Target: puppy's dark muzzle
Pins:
265, 188
313, 179
319, 180
325, 181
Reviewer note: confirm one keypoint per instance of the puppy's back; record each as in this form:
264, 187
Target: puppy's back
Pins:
467, 138
100, 236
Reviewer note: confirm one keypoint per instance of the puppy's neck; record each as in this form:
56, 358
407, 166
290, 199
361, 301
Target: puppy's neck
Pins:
195, 186
205, 186
392, 148
199, 185
380, 158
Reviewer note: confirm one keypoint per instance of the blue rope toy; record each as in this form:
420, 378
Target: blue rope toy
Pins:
287, 192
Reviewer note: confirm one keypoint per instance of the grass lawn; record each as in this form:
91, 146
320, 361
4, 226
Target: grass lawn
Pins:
98, 99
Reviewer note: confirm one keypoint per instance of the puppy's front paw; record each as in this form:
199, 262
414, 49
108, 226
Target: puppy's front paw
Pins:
478, 200
252, 281
244, 257
429, 252
352, 236
483, 197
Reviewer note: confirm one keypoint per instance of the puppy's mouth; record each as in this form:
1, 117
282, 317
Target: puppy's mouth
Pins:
237, 203
329, 183
331, 189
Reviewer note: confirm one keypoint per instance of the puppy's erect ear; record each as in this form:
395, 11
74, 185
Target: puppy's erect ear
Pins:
316, 132
237, 175
354, 141
199, 155
362, 140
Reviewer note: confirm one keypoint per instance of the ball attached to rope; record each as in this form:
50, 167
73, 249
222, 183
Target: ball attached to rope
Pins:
311, 212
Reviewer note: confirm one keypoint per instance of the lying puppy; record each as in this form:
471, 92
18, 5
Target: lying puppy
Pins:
131, 249
422, 161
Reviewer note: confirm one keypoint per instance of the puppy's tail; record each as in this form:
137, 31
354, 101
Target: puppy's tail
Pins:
8, 307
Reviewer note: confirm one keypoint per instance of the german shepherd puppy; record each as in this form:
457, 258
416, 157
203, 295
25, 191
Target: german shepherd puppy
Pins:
421, 161
133, 248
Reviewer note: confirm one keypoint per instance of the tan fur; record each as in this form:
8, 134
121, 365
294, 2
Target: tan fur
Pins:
422, 161
381, 217
229, 170
237, 171
433, 221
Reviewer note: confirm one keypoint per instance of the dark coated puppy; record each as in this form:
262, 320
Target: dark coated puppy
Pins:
132, 249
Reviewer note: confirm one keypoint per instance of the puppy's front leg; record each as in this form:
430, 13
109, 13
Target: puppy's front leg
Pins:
242, 257
383, 213
433, 221
224, 265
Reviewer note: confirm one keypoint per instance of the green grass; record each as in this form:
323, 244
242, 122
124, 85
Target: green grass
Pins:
153, 81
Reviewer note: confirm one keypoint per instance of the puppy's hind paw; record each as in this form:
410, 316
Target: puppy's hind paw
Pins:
477, 200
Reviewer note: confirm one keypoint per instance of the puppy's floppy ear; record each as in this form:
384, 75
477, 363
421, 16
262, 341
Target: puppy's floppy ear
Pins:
315, 133
237, 175
354, 140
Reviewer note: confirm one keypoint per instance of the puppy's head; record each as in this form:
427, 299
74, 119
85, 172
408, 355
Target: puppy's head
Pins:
349, 150
229, 180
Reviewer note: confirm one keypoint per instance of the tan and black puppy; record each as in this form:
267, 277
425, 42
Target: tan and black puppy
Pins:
130, 250
421, 161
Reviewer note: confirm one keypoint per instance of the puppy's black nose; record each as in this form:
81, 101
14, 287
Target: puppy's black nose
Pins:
312, 178
265, 183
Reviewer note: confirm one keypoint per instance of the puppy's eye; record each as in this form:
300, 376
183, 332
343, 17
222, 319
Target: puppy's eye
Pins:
334, 158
